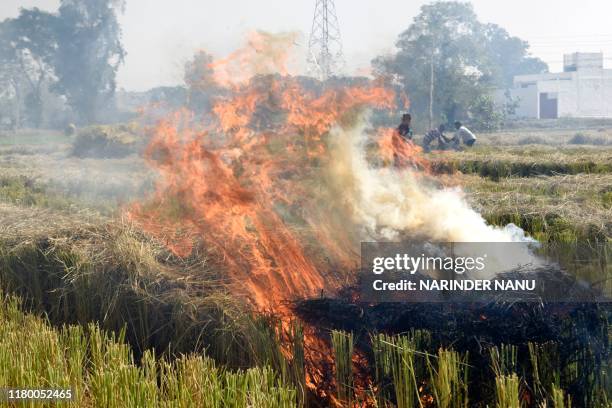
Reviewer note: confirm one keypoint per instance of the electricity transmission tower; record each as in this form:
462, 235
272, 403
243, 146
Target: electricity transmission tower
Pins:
325, 57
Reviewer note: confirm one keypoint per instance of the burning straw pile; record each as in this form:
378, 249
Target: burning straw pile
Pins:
265, 199
283, 178
459, 354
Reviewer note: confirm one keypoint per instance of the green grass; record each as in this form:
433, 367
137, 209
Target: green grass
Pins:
342, 344
101, 370
560, 399
394, 357
505, 365
542, 379
552, 209
507, 391
382, 367
449, 379
27, 192
499, 162
297, 365
400, 367
555, 194
551, 227
589, 372
117, 277
503, 359
547, 376
545, 368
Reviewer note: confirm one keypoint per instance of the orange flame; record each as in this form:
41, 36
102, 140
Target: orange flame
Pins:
227, 195
402, 153
248, 184
264, 54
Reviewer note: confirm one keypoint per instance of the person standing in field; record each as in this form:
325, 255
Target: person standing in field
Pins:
404, 129
464, 135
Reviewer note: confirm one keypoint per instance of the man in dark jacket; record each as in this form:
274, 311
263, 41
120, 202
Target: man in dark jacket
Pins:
404, 129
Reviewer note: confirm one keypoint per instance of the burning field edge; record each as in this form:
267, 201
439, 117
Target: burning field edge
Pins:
128, 284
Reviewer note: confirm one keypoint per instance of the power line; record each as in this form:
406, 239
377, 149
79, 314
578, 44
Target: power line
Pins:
554, 55
568, 44
581, 43
561, 62
325, 57
554, 37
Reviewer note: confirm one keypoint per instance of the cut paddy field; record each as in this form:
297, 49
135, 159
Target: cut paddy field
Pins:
67, 252
497, 162
555, 190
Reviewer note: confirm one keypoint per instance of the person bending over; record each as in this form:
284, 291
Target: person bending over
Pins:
464, 134
435, 135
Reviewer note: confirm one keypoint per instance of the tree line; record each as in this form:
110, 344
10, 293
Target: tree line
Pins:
446, 61
72, 54
449, 63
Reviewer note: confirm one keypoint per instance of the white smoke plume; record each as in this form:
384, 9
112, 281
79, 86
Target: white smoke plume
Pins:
394, 204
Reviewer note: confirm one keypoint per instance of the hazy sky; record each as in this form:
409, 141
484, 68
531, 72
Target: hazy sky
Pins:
160, 35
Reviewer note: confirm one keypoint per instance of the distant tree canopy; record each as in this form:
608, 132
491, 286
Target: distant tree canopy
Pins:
89, 52
447, 61
26, 59
508, 56
75, 53
200, 81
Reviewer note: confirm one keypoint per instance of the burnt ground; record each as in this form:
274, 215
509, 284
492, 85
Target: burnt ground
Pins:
581, 330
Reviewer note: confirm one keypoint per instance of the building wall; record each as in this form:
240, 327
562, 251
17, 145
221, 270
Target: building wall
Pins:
583, 93
528, 101
566, 89
581, 60
594, 94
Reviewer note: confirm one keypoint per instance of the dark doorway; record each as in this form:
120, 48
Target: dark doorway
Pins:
549, 106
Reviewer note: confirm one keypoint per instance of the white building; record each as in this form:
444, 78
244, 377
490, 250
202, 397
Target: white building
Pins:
582, 90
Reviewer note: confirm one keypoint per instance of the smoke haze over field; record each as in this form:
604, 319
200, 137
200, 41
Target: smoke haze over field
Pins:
388, 202
160, 36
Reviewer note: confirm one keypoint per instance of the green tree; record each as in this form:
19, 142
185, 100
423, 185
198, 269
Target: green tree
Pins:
89, 52
439, 61
508, 56
447, 61
11, 80
200, 82
27, 48
487, 114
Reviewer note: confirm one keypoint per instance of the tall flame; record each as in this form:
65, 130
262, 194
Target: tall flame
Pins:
251, 185
284, 178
